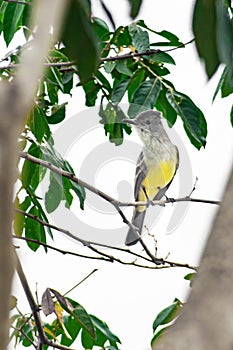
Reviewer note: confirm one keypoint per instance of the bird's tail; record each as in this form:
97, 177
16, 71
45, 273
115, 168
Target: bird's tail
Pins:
137, 220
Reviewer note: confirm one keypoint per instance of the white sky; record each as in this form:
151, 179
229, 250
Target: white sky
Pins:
129, 298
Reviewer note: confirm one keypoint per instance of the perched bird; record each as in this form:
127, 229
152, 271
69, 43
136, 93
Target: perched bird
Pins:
156, 166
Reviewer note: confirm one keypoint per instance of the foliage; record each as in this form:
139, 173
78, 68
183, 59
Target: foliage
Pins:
71, 323
215, 41
106, 79
164, 318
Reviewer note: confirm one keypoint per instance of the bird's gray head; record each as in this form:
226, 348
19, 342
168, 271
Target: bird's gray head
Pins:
147, 121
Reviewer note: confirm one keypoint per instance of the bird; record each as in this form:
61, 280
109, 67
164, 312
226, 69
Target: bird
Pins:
156, 166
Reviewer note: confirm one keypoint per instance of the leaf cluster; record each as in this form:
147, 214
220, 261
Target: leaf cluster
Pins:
71, 323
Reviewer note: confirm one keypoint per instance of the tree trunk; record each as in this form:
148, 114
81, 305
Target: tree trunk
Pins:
206, 322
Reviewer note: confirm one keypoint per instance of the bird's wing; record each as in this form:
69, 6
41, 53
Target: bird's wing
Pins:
140, 174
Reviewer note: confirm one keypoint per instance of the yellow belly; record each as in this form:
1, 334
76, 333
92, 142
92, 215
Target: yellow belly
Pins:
157, 177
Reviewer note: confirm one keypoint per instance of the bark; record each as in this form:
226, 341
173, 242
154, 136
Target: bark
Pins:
15, 101
206, 322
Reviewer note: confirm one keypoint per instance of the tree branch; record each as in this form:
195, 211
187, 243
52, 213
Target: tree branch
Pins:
104, 256
43, 340
34, 307
19, 2
130, 55
103, 195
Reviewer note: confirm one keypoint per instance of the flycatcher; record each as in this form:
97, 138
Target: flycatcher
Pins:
156, 166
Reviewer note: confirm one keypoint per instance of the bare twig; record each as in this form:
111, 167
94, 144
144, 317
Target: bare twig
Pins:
19, 2
103, 256
103, 195
31, 301
43, 340
80, 282
51, 64
20, 330
130, 55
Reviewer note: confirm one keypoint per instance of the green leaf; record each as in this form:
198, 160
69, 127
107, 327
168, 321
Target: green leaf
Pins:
54, 76
219, 85
138, 77
104, 329
167, 315
157, 335
173, 40
145, 97
13, 302
190, 276
77, 188
67, 79
73, 328
119, 90
121, 37
67, 196
30, 168
58, 56
165, 107
87, 341
140, 38
32, 229
135, 7
19, 220
224, 33
192, 117
27, 329
102, 32
161, 57
52, 90
58, 114
53, 196
38, 124
26, 21
91, 90
227, 84
122, 67
111, 118
80, 314
109, 66
104, 81
205, 35
77, 30
12, 17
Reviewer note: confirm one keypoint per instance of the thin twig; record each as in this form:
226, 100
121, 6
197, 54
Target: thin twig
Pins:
103, 195
162, 202
130, 55
19, 2
30, 298
52, 64
24, 334
80, 282
62, 251
104, 256
43, 340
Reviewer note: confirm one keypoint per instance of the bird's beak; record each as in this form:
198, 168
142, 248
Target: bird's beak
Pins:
129, 121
